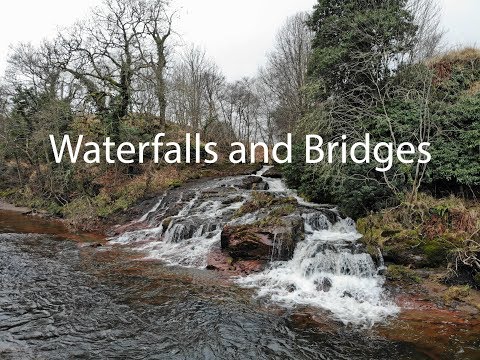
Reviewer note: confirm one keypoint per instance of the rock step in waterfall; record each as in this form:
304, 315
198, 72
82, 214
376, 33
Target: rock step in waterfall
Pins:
306, 254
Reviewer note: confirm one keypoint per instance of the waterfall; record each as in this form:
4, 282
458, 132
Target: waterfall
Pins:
153, 210
329, 269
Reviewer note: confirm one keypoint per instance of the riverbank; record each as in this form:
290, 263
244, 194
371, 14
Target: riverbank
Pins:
4, 206
110, 197
431, 254
421, 331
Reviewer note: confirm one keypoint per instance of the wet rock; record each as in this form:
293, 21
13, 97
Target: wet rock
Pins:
263, 186
247, 267
96, 245
246, 242
318, 221
121, 229
382, 271
253, 183
273, 173
219, 193
318, 215
291, 288
263, 242
233, 200
221, 261
324, 285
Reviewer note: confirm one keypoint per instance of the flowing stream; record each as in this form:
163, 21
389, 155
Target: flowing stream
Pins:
146, 295
329, 269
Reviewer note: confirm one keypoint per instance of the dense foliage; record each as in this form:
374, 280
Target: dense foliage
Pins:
363, 78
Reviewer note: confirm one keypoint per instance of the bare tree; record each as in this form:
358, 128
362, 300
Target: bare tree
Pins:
427, 16
196, 84
104, 54
158, 25
286, 69
35, 68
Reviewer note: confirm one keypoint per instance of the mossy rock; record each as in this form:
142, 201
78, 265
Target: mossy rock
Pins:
399, 273
283, 210
267, 201
437, 252
166, 222
174, 184
456, 293
476, 279
403, 249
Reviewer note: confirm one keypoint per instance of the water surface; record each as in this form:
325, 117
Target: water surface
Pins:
63, 299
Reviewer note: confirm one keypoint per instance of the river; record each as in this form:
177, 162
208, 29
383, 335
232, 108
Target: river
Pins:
63, 296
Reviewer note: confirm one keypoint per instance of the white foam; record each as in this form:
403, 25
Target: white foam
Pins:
327, 269
326, 273
152, 210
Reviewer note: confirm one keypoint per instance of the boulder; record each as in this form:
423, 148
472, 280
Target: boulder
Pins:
253, 183
265, 242
324, 284
273, 173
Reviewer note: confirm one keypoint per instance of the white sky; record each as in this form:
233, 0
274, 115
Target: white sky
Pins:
236, 34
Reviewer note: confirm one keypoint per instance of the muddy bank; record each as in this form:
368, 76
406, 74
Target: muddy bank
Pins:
4, 206
17, 221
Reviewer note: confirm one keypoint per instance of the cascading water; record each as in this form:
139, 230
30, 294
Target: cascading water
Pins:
193, 229
328, 269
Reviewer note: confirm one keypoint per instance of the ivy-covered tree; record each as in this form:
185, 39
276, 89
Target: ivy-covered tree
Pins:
358, 43
362, 80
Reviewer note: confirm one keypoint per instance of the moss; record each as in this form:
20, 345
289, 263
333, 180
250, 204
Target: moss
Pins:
403, 274
6, 193
166, 222
476, 279
423, 234
437, 251
262, 200
174, 184
372, 251
456, 293
283, 210
269, 221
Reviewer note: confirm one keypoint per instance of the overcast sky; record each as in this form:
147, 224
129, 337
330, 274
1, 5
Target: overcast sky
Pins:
236, 34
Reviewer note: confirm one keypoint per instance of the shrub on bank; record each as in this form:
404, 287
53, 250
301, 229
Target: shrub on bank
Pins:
432, 233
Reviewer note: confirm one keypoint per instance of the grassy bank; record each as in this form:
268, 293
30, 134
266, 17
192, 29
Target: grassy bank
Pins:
434, 243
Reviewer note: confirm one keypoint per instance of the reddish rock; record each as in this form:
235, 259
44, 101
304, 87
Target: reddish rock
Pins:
133, 226
250, 266
221, 261
254, 183
274, 173
267, 242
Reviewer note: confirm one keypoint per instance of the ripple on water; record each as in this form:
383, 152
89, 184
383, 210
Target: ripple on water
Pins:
58, 302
